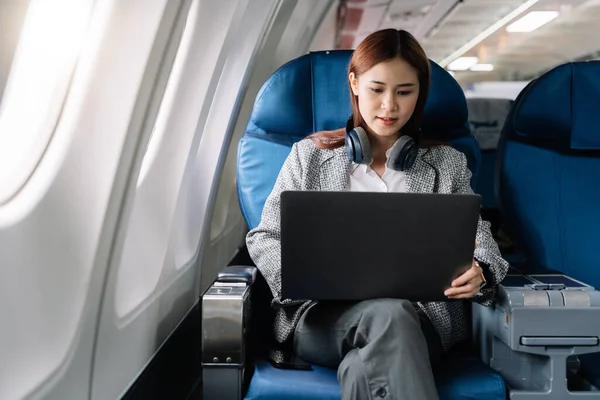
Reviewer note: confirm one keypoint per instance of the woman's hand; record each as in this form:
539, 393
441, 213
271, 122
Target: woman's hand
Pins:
468, 284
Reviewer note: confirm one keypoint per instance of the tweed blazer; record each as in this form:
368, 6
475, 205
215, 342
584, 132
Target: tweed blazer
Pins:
439, 169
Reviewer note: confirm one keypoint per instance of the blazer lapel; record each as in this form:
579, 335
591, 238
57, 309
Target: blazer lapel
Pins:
334, 171
421, 178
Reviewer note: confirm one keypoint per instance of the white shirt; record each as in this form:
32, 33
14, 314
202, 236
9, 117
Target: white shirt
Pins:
364, 179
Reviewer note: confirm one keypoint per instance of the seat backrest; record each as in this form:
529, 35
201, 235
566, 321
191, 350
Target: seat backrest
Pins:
549, 171
310, 94
486, 119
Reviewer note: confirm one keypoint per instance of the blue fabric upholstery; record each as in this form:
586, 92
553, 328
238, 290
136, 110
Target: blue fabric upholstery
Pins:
549, 169
270, 383
560, 108
549, 175
460, 377
310, 94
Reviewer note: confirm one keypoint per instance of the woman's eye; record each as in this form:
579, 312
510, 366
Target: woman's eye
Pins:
376, 90
404, 93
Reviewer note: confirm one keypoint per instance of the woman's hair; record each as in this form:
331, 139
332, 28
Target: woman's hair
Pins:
380, 46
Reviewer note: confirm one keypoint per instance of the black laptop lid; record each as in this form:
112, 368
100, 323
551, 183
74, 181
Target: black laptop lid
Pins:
361, 245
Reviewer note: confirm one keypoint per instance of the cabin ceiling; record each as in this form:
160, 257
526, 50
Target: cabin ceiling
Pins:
444, 26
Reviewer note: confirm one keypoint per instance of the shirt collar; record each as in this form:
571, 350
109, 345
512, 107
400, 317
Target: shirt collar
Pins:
354, 166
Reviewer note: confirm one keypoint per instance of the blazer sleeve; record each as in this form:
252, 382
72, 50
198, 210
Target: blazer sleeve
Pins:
264, 241
487, 252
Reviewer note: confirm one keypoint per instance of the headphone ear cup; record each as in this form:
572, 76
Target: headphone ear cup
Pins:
410, 157
351, 139
403, 154
357, 146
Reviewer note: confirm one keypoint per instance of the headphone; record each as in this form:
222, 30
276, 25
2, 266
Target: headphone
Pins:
401, 157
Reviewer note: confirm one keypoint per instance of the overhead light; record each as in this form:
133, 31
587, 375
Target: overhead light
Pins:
482, 67
483, 35
463, 63
532, 21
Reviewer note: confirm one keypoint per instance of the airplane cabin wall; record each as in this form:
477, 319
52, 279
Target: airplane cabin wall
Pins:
299, 19
254, 40
154, 283
325, 36
57, 230
12, 16
132, 208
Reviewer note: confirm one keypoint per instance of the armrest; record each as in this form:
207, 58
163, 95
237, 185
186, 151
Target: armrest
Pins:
238, 274
226, 316
482, 323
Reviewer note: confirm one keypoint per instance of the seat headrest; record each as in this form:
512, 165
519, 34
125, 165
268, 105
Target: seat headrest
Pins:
306, 95
311, 94
446, 115
560, 109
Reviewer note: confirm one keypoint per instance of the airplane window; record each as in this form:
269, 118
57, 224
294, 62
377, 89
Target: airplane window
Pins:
37, 81
12, 15
188, 95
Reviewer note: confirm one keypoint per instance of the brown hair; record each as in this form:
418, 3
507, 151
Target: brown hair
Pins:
382, 46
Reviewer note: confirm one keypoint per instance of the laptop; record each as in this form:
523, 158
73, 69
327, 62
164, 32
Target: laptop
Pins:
364, 245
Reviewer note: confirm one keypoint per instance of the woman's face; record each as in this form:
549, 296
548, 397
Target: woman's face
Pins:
387, 96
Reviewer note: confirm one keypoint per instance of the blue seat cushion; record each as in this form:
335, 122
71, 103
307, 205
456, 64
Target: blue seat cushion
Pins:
462, 377
270, 383
591, 368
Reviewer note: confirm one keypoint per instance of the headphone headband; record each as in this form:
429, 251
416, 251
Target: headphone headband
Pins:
350, 124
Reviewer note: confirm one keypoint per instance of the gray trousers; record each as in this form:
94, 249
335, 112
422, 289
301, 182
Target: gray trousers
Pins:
382, 348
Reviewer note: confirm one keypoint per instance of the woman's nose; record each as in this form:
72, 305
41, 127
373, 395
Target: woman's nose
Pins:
389, 104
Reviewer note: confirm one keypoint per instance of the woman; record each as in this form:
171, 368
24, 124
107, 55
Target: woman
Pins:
383, 348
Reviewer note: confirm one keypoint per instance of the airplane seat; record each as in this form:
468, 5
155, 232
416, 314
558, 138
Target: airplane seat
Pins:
310, 94
548, 181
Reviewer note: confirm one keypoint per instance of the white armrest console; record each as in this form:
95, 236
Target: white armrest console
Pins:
534, 333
